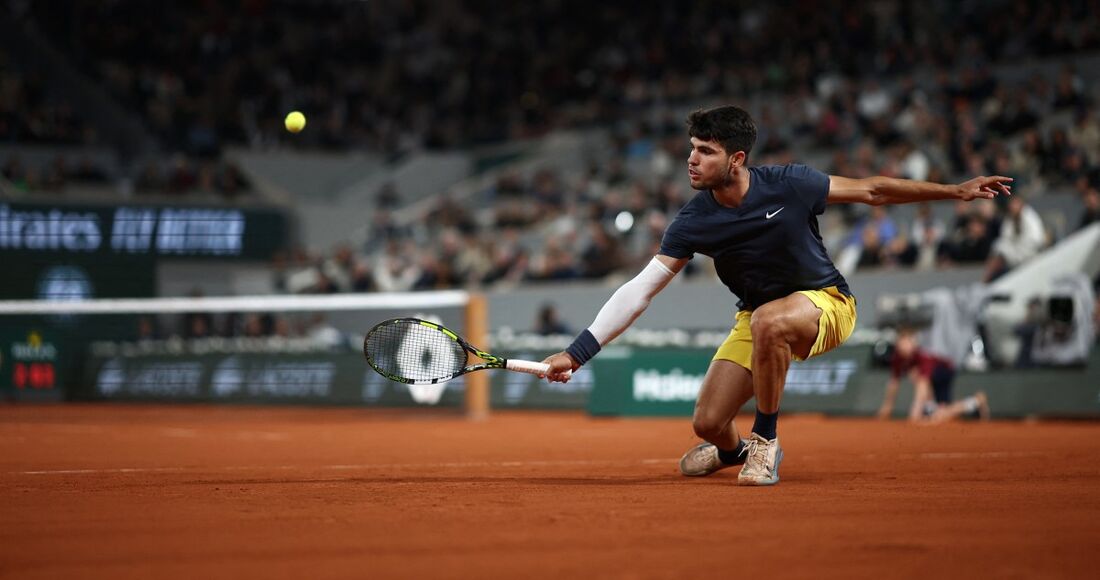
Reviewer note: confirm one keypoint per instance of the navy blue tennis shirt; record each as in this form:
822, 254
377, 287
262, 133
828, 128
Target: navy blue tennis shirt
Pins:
768, 247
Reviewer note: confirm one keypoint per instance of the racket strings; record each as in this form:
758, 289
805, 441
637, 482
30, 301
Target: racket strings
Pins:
414, 351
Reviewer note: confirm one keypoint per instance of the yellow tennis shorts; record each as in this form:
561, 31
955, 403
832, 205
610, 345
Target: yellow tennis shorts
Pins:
838, 318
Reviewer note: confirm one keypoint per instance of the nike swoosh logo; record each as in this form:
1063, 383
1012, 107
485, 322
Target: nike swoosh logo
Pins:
769, 216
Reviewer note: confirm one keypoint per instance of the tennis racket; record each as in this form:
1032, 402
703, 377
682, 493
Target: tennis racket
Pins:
418, 352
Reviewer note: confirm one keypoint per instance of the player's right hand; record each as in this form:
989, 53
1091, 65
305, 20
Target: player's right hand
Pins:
561, 367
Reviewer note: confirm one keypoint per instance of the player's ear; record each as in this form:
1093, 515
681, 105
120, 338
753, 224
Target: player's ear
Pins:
737, 160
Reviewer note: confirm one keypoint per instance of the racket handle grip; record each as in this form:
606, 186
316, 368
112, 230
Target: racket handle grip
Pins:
526, 366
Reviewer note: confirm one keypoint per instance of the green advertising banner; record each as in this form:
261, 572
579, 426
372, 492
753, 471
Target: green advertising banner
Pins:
629, 381
307, 378
665, 382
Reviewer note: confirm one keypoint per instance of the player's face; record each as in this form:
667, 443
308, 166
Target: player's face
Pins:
708, 164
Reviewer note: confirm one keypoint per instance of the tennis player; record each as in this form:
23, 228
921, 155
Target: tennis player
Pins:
759, 225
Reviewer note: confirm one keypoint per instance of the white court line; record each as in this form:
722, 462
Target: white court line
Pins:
93, 471
978, 455
342, 467
471, 464
954, 455
176, 432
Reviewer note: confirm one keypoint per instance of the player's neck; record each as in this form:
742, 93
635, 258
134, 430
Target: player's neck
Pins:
732, 192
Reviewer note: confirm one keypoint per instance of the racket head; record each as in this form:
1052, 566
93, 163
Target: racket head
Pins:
414, 351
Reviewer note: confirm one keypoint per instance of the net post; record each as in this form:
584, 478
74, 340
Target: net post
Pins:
477, 333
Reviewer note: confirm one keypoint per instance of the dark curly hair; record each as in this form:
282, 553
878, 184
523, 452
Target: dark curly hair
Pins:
730, 126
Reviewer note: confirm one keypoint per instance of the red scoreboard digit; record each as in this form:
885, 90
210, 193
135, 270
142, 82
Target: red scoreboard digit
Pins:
39, 375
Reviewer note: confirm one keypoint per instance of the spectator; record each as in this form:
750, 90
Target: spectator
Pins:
555, 263
151, 179
88, 172
603, 254
361, 279
1067, 93
926, 234
867, 245
435, 274
147, 329
899, 252
181, 177
322, 332
396, 270
508, 260
281, 327
254, 326
323, 284
1021, 238
473, 262
197, 324
871, 247
549, 322
971, 245
1092, 208
338, 268
1086, 134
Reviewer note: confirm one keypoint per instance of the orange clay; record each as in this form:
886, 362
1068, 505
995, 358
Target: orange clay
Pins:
232, 492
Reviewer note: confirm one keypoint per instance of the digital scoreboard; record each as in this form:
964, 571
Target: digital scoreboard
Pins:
29, 367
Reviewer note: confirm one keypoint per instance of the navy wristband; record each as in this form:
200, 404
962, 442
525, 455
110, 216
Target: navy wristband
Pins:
584, 347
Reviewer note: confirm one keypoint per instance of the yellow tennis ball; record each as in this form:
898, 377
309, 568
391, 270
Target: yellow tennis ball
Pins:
295, 122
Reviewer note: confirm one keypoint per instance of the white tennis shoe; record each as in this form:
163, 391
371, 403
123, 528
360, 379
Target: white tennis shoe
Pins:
703, 460
762, 458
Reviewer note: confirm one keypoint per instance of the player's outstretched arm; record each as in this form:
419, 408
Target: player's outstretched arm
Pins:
889, 190
617, 314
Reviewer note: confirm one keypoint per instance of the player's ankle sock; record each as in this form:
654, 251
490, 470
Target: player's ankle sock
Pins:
764, 425
732, 457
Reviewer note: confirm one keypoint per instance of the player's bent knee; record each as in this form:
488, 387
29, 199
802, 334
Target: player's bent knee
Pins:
708, 426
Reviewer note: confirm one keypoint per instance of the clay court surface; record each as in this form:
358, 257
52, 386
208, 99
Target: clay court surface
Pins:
233, 492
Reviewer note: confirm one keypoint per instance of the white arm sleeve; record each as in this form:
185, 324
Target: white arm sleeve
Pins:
629, 301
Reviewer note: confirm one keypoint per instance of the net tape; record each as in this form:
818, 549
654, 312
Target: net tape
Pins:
395, 300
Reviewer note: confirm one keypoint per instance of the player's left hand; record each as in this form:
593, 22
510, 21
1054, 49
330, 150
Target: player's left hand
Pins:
985, 187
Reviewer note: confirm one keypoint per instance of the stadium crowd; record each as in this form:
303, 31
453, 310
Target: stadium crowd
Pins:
29, 116
553, 226
886, 100
892, 88
390, 74
177, 176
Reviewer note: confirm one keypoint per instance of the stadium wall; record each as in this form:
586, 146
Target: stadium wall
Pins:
709, 304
